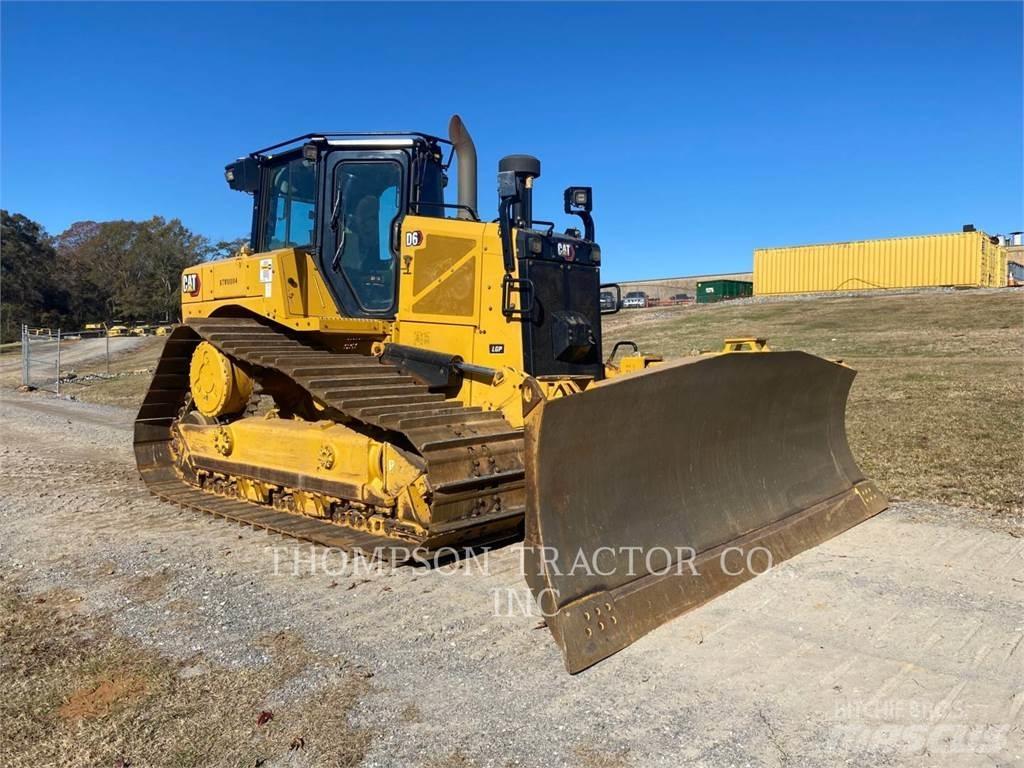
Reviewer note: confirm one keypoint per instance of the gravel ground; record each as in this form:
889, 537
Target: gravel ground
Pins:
898, 643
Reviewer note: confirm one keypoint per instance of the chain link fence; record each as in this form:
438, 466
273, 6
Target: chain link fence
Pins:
51, 357
104, 363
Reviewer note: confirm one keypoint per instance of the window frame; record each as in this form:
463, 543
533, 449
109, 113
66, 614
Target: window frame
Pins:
348, 300
262, 211
400, 212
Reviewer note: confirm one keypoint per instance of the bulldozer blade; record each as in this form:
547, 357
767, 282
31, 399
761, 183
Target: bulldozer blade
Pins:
654, 492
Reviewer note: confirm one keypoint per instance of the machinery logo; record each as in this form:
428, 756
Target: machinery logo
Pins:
567, 251
190, 283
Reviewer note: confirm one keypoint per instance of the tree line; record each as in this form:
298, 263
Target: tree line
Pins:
96, 271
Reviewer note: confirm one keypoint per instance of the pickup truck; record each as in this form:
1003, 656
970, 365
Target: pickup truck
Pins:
634, 300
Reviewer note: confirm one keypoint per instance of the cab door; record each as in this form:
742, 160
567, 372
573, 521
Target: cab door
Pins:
365, 198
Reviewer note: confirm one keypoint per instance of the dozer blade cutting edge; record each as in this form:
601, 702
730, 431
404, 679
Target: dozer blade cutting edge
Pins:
653, 492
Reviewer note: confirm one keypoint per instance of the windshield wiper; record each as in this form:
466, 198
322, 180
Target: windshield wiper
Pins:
336, 261
335, 213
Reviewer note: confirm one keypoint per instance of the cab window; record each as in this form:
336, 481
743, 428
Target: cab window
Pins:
290, 211
368, 195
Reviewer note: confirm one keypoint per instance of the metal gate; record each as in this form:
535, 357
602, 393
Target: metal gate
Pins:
41, 349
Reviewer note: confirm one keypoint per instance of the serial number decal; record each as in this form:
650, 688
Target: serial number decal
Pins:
228, 280
413, 238
190, 283
497, 349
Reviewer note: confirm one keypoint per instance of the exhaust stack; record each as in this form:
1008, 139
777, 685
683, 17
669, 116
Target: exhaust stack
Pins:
465, 151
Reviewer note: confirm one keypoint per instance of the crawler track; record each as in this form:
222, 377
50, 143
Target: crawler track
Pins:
474, 457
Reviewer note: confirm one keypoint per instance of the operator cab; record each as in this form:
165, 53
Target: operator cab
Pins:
342, 198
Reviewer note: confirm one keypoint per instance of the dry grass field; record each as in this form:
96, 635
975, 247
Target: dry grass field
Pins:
937, 409
77, 693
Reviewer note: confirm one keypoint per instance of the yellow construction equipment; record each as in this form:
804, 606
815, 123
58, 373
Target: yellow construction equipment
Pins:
383, 370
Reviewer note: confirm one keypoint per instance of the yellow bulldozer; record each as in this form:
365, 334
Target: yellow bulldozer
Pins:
384, 371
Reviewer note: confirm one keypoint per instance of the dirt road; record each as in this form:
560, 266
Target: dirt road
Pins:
899, 643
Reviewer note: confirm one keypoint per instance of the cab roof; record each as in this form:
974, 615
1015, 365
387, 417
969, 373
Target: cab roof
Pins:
350, 139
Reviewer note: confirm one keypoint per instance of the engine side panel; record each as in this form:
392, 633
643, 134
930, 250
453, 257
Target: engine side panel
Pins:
450, 283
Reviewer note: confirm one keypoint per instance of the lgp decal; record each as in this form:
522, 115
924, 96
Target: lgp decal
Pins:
497, 349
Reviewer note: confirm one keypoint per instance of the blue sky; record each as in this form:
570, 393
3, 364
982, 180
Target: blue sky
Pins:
706, 130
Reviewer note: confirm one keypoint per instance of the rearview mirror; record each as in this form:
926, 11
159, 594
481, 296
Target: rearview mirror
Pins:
611, 298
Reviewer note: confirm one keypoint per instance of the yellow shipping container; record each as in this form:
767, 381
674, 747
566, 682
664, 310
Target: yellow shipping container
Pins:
968, 259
